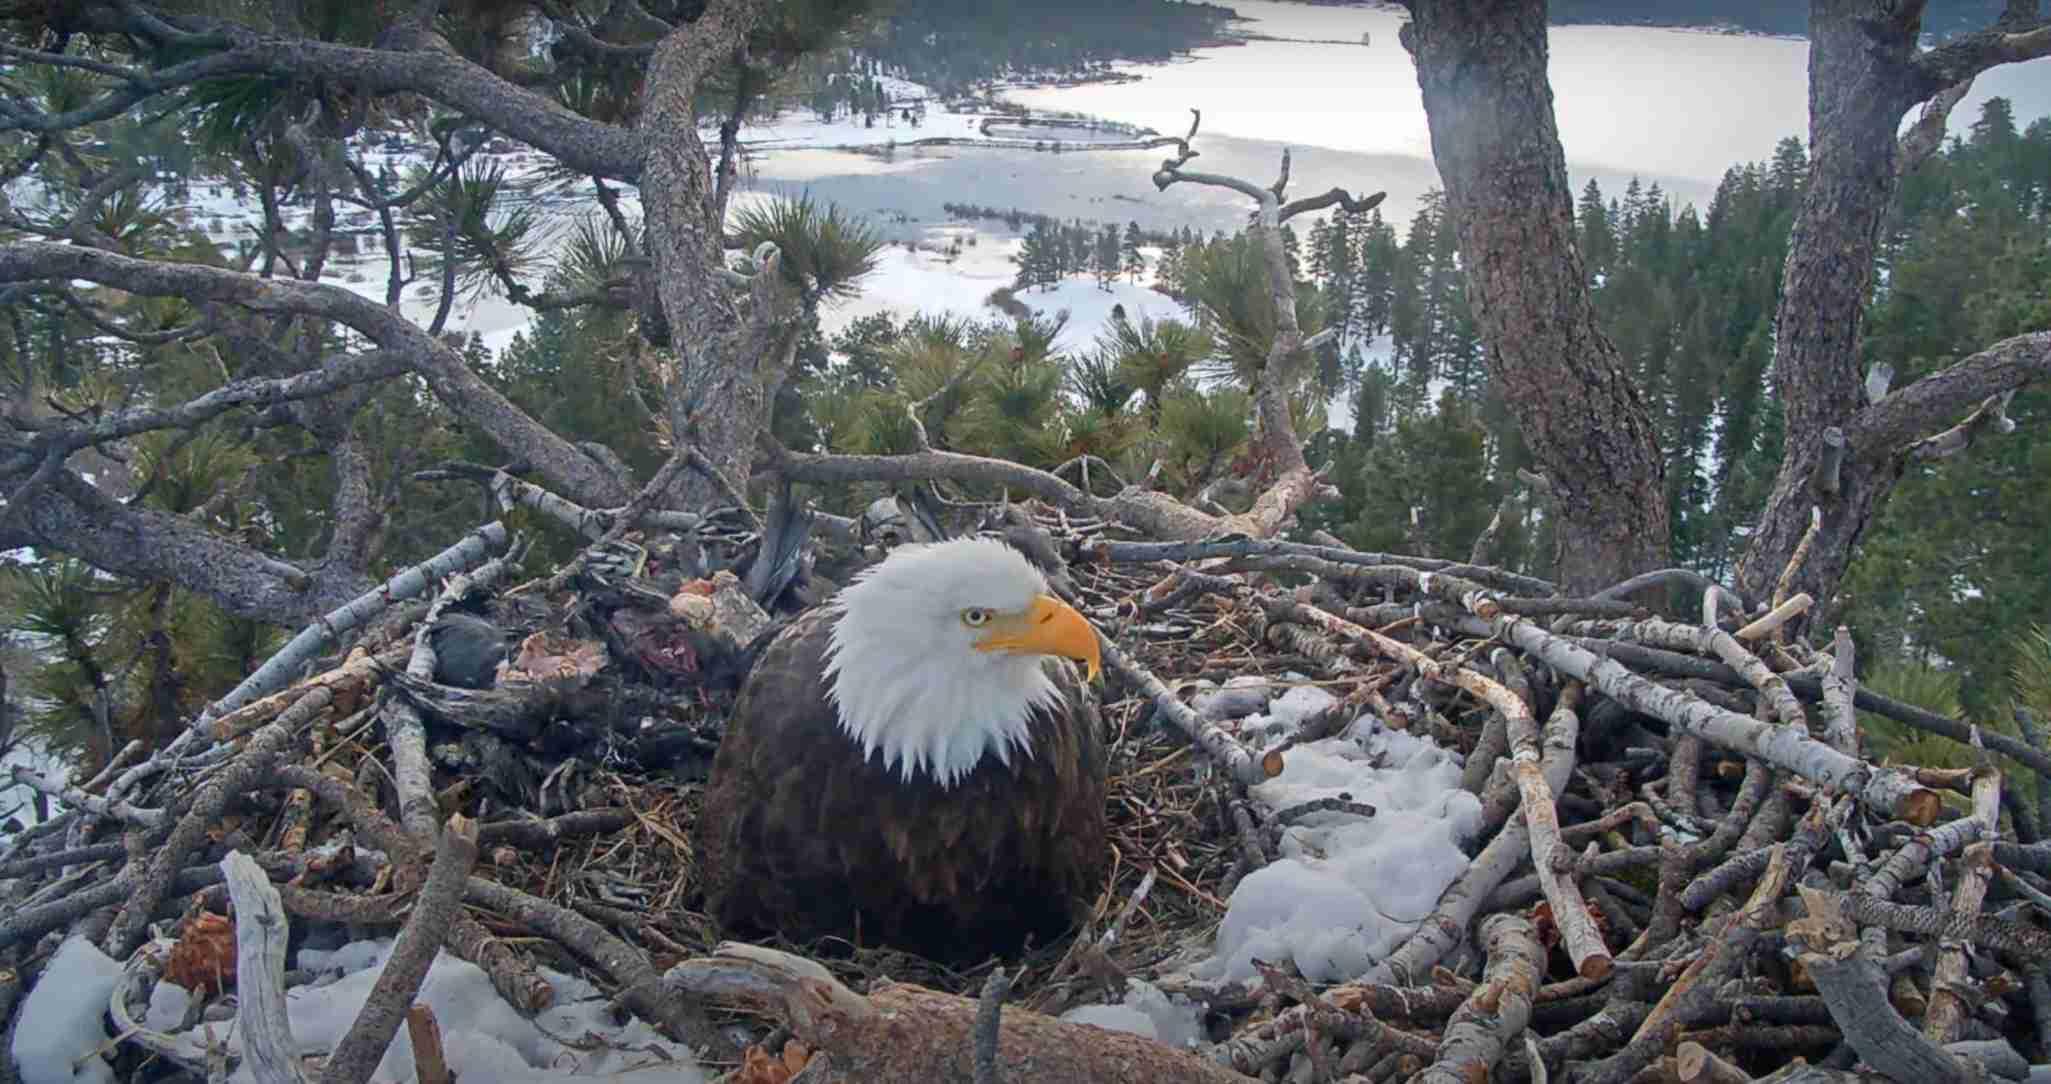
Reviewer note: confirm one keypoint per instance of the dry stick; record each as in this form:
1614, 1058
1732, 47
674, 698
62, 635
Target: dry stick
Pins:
261, 930
1714, 641
1694, 992
412, 775
357, 1056
278, 670
1773, 619
989, 1017
1855, 988
1840, 691
1782, 746
1237, 761
640, 985
511, 975
1541, 817
70, 795
2028, 942
1801, 554
354, 675
1498, 1009
1441, 931
213, 797
1696, 1065
430, 1064
1119, 552
1947, 1010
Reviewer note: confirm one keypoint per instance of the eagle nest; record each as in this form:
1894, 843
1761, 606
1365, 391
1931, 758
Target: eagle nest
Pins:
1648, 805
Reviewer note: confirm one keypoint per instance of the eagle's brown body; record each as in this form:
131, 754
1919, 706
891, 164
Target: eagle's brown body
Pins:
803, 836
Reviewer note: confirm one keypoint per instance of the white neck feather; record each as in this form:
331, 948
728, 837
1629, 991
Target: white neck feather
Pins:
903, 672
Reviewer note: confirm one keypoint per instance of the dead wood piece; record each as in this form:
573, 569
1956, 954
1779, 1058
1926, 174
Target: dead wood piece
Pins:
1947, 1009
640, 985
539, 833
989, 1015
346, 683
903, 1032
1995, 933
357, 1056
430, 1064
1696, 1065
213, 796
261, 930
1483, 1027
1693, 995
1222, 747
277, 671
1772, 620
1782, 746
1840, 690
1855, 988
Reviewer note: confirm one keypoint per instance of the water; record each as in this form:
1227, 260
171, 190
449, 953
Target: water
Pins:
1673, 106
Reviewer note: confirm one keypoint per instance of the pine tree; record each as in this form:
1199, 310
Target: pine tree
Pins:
1107, 262
1134, 262
1373, 274
1598, 240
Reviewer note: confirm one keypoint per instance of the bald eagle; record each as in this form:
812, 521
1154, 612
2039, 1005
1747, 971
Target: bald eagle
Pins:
915, 763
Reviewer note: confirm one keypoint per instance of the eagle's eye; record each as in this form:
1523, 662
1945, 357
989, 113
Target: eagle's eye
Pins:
975, 617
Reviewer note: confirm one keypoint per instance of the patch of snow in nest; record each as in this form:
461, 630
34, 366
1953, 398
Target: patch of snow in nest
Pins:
60, 1026
1346, 890
1146, 1011
483, 1037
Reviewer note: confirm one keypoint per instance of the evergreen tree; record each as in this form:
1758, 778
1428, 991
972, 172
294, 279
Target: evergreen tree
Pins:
1598, 241
1109, 259
1374, 271
1134, 262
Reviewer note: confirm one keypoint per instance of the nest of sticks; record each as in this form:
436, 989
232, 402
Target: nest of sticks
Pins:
1688, 868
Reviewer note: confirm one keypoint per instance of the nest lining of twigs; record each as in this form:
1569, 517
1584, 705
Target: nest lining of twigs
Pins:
1664, 833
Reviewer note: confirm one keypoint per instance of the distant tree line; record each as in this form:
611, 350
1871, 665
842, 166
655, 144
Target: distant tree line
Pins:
954, 47
1942, 17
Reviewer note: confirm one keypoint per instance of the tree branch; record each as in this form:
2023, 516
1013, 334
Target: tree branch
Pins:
459, 389
1906, 415
1959, 60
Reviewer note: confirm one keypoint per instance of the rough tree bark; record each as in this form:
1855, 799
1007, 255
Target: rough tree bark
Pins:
731, 357
1865, 73
1482, 67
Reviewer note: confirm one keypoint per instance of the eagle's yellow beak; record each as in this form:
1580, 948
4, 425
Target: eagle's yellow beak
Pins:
1048, 627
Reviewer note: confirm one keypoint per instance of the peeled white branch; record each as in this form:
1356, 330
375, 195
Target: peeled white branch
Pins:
1784, 747
261, 930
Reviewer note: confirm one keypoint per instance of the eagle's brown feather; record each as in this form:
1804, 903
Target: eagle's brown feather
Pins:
802, 835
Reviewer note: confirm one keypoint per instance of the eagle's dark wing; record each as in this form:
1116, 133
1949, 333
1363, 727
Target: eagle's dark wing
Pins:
801, 835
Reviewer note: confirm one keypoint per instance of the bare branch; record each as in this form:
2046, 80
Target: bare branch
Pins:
1886, 427
459, 389
1927, 134
1959, 60
1991, 414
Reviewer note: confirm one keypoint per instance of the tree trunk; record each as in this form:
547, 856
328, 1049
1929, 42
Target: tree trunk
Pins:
731, 355
1482, 67
1859, 75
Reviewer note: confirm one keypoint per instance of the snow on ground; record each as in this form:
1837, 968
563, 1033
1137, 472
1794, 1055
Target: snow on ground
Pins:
483, 1036
907, 282
60, 1028
1145, 1010
1346, 889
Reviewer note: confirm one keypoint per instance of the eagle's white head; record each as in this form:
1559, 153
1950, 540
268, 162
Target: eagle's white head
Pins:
941, 652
